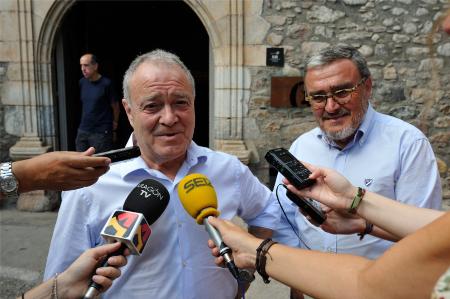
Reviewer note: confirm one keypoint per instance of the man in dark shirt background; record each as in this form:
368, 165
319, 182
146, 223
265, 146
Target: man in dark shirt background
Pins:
100, 108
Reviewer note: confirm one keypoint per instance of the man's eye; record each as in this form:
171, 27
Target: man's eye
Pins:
319, 97
152, 107
342, 93
182, 103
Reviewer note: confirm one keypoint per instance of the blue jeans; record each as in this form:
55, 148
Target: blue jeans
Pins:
101, 141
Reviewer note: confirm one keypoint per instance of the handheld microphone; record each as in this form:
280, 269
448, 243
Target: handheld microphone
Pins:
131, 226
198, 197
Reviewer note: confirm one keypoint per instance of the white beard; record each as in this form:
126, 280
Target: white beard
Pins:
342, 134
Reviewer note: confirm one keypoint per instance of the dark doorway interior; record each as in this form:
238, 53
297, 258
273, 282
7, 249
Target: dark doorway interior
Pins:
118, 31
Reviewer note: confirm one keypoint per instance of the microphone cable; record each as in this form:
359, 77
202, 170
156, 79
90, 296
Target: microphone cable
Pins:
284, 213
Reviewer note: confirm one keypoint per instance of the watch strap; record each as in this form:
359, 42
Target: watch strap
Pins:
6, 174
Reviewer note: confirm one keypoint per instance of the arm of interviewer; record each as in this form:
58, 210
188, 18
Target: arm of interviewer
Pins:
59, 170
336, 192
421, 257
73, 282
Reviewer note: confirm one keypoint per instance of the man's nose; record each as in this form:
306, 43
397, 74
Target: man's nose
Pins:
331, 104
168, 115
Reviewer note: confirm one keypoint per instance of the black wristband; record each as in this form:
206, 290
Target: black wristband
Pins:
367, 230
261, 258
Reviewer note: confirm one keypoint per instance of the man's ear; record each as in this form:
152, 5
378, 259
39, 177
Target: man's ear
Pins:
127, 108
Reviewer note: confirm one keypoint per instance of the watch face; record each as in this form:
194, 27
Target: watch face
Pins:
9, 184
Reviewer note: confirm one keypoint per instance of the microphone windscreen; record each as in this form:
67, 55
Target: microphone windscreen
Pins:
129, 228
149, 198
198, 197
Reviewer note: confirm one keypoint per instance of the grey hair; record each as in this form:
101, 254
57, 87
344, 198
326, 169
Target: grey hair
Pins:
330, 54
155, 56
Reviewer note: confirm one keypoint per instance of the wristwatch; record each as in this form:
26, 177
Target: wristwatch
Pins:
8, 182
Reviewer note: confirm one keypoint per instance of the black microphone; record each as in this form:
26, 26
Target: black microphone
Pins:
131, 226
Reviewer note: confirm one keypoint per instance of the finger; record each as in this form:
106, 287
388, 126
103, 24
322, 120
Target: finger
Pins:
309, 166
326, 209
216, 222
90, 173
215, 252
312, 221
211, 244
82, 176
110, 272
89, 152
88, 161
219, 261
103, 250
103, 281
117, 261
317, 173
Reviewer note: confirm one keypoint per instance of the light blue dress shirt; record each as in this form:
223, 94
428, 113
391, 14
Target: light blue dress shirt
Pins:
387, 156
176, 262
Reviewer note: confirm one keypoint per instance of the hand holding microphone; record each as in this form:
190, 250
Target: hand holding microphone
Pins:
242, 243
199, 199
131, 226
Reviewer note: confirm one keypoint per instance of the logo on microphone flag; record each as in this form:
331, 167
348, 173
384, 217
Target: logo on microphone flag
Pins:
129, 228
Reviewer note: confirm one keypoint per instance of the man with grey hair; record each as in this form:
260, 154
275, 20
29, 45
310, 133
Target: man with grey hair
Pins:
159, 102
377, 152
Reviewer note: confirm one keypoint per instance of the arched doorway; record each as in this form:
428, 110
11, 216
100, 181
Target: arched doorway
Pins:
118, 31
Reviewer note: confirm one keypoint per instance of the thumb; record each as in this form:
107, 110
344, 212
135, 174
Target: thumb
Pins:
316, 173
214, 221
89, 152
106, 249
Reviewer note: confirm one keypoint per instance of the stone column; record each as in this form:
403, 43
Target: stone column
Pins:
230, 91
29, 144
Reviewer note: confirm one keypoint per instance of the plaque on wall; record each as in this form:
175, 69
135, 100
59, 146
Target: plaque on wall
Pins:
287, 92
275, 57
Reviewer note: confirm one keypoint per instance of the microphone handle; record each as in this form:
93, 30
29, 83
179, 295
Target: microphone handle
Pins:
224, 250
94, 288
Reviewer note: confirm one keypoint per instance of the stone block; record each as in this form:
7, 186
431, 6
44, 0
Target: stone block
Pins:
256, 29
34, 201
8, 6
255, 55
9, 25
9, 51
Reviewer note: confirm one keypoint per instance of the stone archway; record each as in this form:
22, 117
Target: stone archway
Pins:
229, 89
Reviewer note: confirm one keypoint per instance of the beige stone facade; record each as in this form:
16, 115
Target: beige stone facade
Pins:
409, 63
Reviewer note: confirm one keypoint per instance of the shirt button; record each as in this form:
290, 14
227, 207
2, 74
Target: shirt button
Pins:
184, 264
330, 249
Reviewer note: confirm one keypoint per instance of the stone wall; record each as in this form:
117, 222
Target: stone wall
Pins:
6, 140
409, 65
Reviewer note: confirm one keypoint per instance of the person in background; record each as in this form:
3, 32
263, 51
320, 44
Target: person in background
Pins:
414, 267
51, 171
74, 282
100, 108
159, 99
378, 152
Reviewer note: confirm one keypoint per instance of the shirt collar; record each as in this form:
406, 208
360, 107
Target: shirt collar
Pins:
361, 133
195, 155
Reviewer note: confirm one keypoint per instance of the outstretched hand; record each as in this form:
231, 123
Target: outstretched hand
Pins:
343, 223
331, 188
60, 170
74, 282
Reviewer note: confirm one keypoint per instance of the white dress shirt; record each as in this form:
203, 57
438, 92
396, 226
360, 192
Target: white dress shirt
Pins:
176, 262
387, 156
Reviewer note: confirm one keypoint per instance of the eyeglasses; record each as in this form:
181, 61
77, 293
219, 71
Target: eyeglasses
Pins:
341, 96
